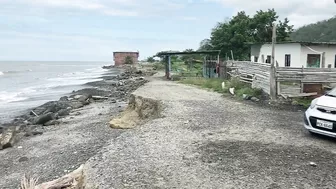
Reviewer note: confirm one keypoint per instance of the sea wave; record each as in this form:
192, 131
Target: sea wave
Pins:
14, 71
57, 84
7, 97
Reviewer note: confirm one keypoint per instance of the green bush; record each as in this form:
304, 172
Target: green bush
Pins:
158, 66
129, 60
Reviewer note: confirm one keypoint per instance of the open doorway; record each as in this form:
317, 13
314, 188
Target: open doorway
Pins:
313, 60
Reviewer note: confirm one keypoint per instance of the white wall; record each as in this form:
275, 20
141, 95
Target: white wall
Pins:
330, 52
294, 49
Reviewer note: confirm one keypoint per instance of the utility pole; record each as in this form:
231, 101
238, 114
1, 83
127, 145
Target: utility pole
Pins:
273, 87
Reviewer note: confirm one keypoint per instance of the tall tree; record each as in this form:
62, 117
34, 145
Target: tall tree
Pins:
205, 44
235, 34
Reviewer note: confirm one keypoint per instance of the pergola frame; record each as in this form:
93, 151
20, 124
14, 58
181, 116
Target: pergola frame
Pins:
169, 54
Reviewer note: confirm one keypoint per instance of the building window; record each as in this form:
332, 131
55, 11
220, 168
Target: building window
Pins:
313, 60
255, 59
268, 60
287, 60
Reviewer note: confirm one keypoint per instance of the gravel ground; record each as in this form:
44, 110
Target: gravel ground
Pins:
62, 148
207, 141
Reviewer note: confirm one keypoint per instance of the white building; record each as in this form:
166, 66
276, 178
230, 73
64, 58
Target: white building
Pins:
297, 54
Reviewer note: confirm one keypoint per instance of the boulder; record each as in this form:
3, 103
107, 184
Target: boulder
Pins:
51, 122
87, 102
108, 67
53, 106
64, 98
76, 104
63, 112
246, 97
33, 133
44, 118
255, 99
7, 138
99, 98
84, 98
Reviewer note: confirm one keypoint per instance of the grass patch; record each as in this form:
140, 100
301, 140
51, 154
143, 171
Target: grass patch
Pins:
215, 84
305, 102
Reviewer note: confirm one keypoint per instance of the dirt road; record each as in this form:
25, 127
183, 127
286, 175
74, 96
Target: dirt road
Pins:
207, 141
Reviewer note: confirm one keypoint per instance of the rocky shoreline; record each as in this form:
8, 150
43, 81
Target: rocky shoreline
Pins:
112, 88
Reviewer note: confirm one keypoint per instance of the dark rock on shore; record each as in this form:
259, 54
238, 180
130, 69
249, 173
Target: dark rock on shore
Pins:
76, 105
7, 138
91, 92
51, 122
108, 67
63, 112
53, 106
64, 98
44, 118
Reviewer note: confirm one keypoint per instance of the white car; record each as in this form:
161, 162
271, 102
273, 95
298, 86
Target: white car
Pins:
320, 117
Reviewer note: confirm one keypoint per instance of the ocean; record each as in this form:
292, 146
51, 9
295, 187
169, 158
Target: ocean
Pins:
25, 85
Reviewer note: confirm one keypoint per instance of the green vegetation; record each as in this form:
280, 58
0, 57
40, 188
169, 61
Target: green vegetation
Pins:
129, 60
305, 102
323, 31
158, 66
215, 84
234, 33
150, 60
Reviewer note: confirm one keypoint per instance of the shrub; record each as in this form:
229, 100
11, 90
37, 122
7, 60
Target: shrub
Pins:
129, 60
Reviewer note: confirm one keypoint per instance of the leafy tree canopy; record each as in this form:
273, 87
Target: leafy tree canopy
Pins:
235, 33
150, 59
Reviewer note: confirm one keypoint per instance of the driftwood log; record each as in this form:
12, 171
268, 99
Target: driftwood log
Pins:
73, 180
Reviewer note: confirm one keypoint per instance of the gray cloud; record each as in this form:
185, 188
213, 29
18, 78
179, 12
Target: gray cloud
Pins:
300, 12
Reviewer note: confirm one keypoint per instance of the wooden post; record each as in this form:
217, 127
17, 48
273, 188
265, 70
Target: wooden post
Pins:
166, 66
169, 67
301, 83
278, 82
273, 84
323, 60
218, 74
232, 55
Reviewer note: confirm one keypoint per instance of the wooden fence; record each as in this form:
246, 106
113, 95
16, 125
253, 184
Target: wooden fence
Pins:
257, 74
291, 82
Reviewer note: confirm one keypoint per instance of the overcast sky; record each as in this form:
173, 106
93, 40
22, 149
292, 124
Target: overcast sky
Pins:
92, 29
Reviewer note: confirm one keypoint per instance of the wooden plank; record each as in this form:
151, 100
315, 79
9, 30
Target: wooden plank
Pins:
301, 95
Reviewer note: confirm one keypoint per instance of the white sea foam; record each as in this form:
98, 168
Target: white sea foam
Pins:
7, 97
